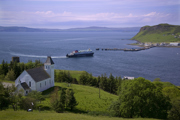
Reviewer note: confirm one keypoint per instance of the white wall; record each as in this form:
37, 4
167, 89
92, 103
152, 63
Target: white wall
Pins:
41, 86
52, 75
25, 77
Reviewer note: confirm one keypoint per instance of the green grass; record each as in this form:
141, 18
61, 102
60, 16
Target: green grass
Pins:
88, 97
156, 38
74, 74
159, 33
7, 81
50, 115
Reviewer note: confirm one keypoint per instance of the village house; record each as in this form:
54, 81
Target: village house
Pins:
39, 79
128, 78
174, 44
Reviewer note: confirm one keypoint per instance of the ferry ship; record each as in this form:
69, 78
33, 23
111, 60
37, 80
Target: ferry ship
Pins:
80, 53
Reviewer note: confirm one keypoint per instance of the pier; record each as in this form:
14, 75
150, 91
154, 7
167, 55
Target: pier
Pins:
125, 49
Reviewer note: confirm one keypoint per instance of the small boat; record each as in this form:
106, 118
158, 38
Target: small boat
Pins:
80, 53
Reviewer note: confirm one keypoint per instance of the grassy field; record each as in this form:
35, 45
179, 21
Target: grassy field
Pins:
88, 98
159, 33
50, 115
156, 38
74, 74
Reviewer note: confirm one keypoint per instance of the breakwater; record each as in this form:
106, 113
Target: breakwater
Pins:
125, 49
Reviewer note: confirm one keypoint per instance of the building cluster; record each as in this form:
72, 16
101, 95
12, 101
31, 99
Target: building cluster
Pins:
160, 44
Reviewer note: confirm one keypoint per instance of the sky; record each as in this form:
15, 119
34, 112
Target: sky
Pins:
63, 14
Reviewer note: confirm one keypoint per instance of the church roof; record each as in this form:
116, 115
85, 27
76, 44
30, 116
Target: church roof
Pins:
38, 74
49, 61
25, 86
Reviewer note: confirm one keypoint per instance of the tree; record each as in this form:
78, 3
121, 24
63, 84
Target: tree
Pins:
62, 100
83, 78
55, 99
27, 103
58, 101
171, 92
36, 95
10, 75
141, 98
70, 99
4, 97
157, 79
15, 97
174, 113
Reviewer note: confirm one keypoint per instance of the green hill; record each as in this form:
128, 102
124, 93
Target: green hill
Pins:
88, 97
158, 33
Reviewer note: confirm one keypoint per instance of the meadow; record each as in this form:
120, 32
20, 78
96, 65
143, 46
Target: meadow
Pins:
73, 73
51, 115
87, 98
159, 33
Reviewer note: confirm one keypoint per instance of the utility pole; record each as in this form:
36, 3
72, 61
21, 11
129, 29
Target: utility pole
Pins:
99, 90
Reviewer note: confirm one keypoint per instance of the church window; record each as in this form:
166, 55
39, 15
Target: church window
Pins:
40, 84
45, 82
49, 81
29, 83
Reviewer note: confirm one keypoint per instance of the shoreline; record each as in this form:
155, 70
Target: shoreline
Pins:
137, 41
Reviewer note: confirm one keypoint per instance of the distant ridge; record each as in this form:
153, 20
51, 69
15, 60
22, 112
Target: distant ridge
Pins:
85, 29
158, 33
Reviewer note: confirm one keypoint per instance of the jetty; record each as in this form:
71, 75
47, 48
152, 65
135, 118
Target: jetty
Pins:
125, 49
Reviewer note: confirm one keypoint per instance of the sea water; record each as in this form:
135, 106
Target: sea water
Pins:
158, 62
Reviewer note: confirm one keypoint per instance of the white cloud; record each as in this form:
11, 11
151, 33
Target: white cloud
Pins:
42, 17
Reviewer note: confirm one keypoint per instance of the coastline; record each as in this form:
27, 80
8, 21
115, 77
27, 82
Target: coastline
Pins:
137, 44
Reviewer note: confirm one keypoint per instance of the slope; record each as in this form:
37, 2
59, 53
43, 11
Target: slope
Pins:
158, 33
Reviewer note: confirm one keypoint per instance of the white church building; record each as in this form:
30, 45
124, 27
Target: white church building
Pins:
39, 79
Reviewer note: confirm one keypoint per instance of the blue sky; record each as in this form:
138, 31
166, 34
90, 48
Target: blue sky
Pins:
64, 14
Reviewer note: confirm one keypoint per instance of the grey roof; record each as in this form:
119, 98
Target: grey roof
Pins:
49, 61
38, 74
25, 86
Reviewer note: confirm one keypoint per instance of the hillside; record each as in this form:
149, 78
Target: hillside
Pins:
88, 97
158, 33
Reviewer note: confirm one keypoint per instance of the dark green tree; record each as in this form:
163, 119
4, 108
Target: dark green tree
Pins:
141, 98
174, 113
62, 101
157, 79
15, 97
83, 78
36, 95
27, 103
4, 97
70, 99
10, 75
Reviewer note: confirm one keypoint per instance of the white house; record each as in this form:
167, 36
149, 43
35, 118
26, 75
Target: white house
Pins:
128, 78
174, 44
39, 79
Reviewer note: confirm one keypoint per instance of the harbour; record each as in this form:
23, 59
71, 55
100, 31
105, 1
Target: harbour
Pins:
158, 62
125, 49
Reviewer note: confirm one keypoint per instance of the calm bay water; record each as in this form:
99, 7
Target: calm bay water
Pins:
154, 63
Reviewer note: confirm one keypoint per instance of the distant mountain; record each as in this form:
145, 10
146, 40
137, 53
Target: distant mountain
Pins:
26, 29
99, 29
86, 29
158, 33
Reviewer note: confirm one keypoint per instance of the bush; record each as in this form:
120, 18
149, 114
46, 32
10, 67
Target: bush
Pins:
43, 107
28, 103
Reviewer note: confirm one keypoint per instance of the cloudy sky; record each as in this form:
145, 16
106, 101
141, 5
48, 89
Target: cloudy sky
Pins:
84, 13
